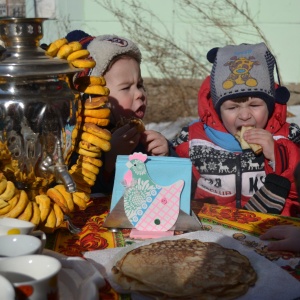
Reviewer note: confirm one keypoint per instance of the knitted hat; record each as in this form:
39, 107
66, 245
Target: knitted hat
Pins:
244, 71
104, 48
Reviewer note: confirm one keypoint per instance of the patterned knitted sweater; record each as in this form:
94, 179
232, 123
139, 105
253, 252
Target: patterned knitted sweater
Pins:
225, 174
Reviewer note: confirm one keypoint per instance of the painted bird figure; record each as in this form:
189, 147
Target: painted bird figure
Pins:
148, 205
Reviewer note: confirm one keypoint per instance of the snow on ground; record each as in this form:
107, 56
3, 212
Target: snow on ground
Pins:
170, 129
295, 110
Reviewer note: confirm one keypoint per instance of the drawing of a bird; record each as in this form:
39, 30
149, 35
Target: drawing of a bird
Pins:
148, 205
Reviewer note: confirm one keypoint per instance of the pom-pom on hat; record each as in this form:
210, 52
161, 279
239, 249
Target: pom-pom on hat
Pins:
104, 48
245, 70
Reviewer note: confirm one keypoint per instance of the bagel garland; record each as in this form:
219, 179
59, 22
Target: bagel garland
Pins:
75, 46
58, 198
102, 113
88, 166
10, 169
11, 204
79, 54
27, 213
78, 177
58, 214
64, 51
3, 183
85, 172
83, 195
36, 214
9, 191
90, 80
97, 131
43, 202
72, 52
95, 90
83, 187
92, 138
89, 138
88, 146
88, 153
46, 210
50, 221
20, 205
55, 46
95, 140
45, 207
68, 196
96, 121
95, 102
79, 202
94, 161
83, 63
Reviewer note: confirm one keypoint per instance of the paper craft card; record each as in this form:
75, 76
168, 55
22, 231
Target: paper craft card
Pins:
169, 177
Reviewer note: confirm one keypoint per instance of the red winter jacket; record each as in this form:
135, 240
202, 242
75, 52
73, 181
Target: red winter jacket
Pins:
225, 175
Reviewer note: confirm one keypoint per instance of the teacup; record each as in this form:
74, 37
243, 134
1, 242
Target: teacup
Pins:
15, 226
35, 277
7, 289
19, 244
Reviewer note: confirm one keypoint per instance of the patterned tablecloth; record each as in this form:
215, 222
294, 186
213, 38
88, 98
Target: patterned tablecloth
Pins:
92, 236
242, 225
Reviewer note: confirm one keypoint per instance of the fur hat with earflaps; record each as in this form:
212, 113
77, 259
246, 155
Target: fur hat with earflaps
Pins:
245, 70
104, 48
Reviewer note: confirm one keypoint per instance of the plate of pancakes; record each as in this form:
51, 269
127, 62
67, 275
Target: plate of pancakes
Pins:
200, 265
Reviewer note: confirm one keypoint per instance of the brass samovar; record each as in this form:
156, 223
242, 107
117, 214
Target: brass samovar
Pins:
37, 109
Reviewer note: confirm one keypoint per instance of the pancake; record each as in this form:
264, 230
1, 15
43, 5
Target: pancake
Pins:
187, 269
257, 149
133, 121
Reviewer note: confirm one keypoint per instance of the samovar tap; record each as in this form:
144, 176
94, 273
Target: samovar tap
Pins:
61, 172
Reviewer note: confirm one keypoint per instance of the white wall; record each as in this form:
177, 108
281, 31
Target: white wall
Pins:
279, 21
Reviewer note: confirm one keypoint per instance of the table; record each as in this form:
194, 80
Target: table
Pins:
244, 226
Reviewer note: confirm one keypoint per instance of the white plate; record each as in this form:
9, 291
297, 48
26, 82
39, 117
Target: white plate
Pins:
78, 278
273, 282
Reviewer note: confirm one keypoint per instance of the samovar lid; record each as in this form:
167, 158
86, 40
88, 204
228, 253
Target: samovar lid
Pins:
22, 55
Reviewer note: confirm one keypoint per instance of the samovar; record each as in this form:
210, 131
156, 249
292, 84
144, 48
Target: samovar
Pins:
37, 109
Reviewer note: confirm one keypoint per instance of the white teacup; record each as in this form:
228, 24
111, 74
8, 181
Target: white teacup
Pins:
7, 289
35, 277
10, 226
19, 244
15, 226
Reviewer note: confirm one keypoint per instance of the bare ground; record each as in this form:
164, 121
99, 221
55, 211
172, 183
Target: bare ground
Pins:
170, 99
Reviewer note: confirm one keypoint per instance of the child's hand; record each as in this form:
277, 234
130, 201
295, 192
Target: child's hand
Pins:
155, 143
288, 237
263, 138
125, 139
123, 142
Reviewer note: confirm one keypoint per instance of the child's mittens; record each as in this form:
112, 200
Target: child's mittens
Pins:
271, 197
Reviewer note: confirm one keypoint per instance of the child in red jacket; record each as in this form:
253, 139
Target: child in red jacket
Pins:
241, 92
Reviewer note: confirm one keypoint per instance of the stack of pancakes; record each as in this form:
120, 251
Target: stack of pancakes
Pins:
186, 269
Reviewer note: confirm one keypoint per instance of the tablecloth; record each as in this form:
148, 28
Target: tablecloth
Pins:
272, 281
92, 236
244, 226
